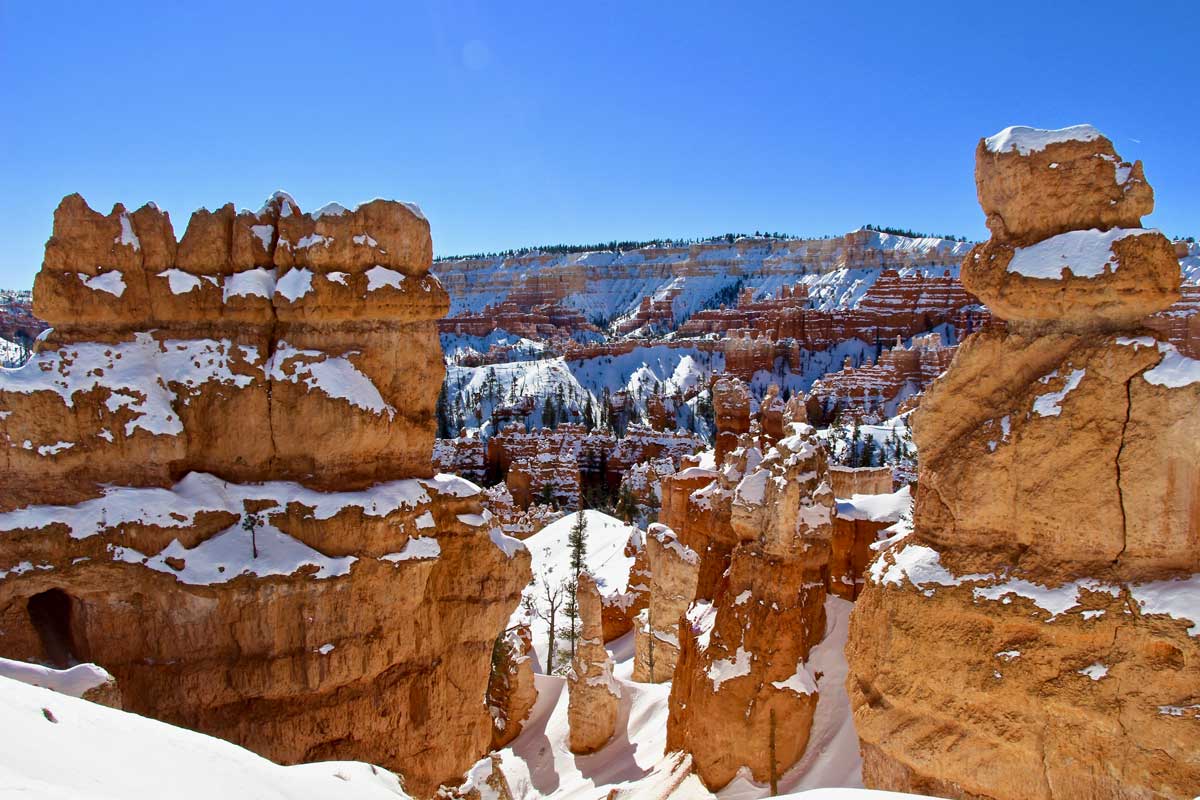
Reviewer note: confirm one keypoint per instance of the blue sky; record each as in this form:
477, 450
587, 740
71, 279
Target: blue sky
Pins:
523, 123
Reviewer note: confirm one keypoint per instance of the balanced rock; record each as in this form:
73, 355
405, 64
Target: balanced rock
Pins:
1035, 635
593, 694
1067, 244
218, 486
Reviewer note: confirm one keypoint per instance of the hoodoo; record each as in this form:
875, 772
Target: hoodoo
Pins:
218, 485
1037, 635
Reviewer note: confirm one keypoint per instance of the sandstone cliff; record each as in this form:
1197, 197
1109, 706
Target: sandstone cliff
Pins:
217, 485
1035, 636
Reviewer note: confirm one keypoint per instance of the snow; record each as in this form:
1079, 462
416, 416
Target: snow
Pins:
752, 489
1008, 655
92, 752
229, 555
312, 240
921, 565
1174, 370
127, 237
112, 282
605, 560
330, 210
337, 277
325, 649
132, 372
1178, 598
508, 545
539, 763
179, 281
259, 282
1094, 671
1026, 140
1047, 405
801, 682
74, 681
726, 669
54, 449
1086, 254
379, 277
264, 234
876, 507
669, 540
335, 376
364, 239
418, 547
294, 284
200, 492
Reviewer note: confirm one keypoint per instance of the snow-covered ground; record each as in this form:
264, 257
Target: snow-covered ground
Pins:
58, 747
551, 562
539, 762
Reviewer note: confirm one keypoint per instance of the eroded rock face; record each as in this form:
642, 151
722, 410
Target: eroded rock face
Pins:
674, 569
594, 695
217, 485
742, 667
511, 689
1034, 637
731, 409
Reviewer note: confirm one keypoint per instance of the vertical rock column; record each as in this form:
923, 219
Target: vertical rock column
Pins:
1036, 636
674, 569
593, 694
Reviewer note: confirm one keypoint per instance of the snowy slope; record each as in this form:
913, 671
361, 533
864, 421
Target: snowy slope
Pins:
58, 747
551, 561
539, 762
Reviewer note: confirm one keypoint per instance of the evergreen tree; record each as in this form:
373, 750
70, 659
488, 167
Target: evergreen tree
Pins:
577, 542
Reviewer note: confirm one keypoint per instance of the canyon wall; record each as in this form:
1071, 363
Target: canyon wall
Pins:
218, 485
1035, 636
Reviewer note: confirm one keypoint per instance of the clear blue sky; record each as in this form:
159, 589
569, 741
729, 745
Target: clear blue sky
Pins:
522, 123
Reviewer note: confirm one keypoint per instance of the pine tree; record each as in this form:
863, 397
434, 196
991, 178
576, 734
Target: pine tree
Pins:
577, 541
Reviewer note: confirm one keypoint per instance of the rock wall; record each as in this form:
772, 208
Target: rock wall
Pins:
218, 485
1036, 635
673, 572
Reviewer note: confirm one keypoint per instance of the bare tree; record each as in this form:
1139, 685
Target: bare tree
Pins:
544, 603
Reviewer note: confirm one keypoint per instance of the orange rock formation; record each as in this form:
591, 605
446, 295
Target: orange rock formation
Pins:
1035, 636
217, 485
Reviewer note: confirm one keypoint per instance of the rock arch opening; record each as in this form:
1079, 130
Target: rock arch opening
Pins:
50, 615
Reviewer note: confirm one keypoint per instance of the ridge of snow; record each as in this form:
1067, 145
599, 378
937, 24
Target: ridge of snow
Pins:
379, 277
330, 210
294, 284
74, 681
259, 281
1025, 140
1085, 254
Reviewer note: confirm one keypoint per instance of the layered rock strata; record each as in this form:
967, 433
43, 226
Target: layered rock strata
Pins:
218, 485
511, 690
1036, 636
742, 696
593, 693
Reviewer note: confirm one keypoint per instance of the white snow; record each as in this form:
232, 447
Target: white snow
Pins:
91, 752
229, 555
337, 277
1057, 600
508, 545
264, 234
1094, 671
379, 277
312, 240
112, 282
876, 507
74, 681
331, 210
259, 282
605, 560
1047, 405
294, 284
54, 449
1085, 254
179, 281
1178, 598
419, 547
1026, 140
1174, 370
801, 682
335, 376
325, 649
364, 239
133, 373
726, 669
127, 237
1008, 655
